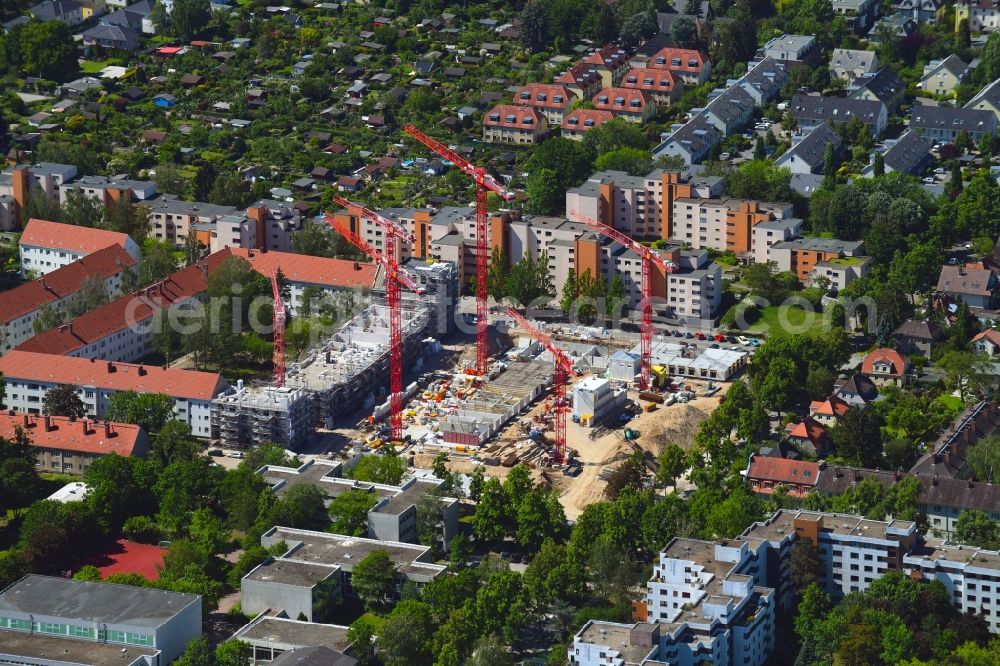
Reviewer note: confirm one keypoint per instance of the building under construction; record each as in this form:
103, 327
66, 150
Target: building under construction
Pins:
344, 374
243, 416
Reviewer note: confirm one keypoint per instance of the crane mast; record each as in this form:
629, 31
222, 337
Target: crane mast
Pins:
279, 332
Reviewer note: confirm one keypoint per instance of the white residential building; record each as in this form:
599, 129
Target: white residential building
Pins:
46, 246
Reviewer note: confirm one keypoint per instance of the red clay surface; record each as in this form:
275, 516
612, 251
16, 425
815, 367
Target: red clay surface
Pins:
124, 556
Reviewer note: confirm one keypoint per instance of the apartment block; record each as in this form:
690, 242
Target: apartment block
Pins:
28, 376
42, 617
611, 62
270, 637
722, 224
108, 189
57, 291
661, 85
802, 256
581, 79
632, 104
551, 100
247, 416
691, 66
17, 183
766, 234
299, 589
578, 121
506, 123
173, 220
46, 246
67, 445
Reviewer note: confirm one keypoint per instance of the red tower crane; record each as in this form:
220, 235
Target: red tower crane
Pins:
648, 257
484, 184
394, 277
279, 332
563, 370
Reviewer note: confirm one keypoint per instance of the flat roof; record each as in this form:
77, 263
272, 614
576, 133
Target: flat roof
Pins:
291, 572
286, 634
345, 551
50, 649
616, 637
408, 496
89, 601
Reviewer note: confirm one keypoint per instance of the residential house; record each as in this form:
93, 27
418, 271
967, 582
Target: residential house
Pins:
47, 246
987, 99
506, 123
851, 64
811, 110
550, 100
894, 26
111, 37
883, 86
917, 338
909, 154
611, 62
690, 65
164, 100
634, 106
348, 184
64, 11
886, 366
802, 255
764, 81
988, 342
582, 80
578, 121
857, 390
692, 142
809, 437
942, 77
859, 14
943, 124
792, 50
838, 272
731, 111
921, 11
976, 287
765, 474
660, 84
768, 232
67, 445
829, 412
808, 150
981, 15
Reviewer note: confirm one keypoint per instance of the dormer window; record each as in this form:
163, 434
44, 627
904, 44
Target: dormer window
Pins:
664, 83
603, 99
558, 99
528, 120
631, 79
660, 60
572, 121
692, 63
675, 61
526, 95
648, 81
636, 104
495, 117
619, 101
542, 97
588, 123
510, 119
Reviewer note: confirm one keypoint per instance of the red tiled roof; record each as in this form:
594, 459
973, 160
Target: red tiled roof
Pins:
609, 56
832, 406
620, 100
808, 428
114, 376
650, 80
584, 119
510, 116
991, 334
311, 270
62, 282
129, 309
69, 237
687, 61
82, 436
336, 149
783, 470
897, 361
581, 74
545, 95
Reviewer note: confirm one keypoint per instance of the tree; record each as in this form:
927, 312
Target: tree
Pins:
497, 274
476, 482
490, 651
630, 474
878, 168
197, 653
48, 317
777, 390
349, 512
234, 653
760, 179
188, 17
230, 188
964, 371
169, 179
975, 528
47, 50
119, 488
361, 636
534, 26
157, 262
570, 292
858, 437
302, 507
671, 465
545, 196
151, 411
173, 443
375, 580
62, 400
493, 513
683, 31
387, 469
635, 161
81, 209
613, 135
125, 217
804, 565
404, 639
983, 459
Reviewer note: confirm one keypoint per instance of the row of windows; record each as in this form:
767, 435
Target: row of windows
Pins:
76, 631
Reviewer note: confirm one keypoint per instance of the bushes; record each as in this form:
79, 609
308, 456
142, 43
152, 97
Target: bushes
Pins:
142, 529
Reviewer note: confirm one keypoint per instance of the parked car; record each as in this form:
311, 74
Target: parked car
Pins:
236, 454
699, 335
743, 340
754, 342
213, 452
719, 337
688, 335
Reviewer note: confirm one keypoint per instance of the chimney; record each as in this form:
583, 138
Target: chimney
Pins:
24, 420
142, 371
48, 423
357, 266
934, 481
41, 281
111, 366
86, 427
204, 271
107, 429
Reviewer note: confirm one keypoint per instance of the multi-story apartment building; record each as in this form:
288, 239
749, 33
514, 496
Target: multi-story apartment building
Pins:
803, 256
67, 445
28, 376
611, 62
54, 620
722, 224
57, 291
691, 66
107, 189
16, 184
981, 15
123, 329
792, 50
581, 79
578, 121
661, 85
507, 123
551, 100
633, 105
46, 246
173, 219
859, 14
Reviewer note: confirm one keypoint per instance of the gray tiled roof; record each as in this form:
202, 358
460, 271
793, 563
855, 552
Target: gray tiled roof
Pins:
812, 148
907, 153
835, 109
949, 118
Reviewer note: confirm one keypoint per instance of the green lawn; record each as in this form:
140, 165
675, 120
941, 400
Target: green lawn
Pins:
951, 402
787, 318
93, 66
376, 621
